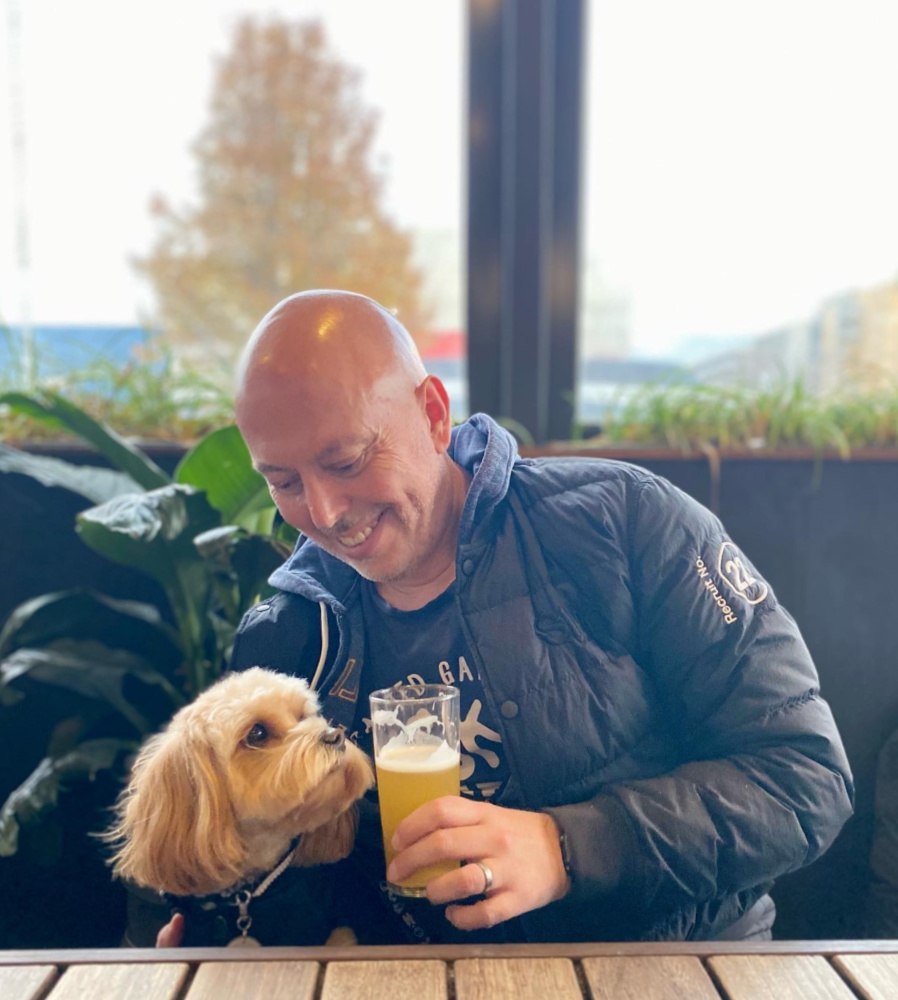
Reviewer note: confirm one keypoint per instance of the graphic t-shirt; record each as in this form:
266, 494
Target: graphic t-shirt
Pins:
427, 646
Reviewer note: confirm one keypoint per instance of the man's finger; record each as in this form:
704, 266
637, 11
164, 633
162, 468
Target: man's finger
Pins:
469, 880
453, 844
448, 811
172, 934
488, 913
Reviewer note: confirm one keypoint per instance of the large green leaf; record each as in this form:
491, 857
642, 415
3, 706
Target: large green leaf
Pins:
95, 484
221, 465
242, 563
92, 670
151, 531
254, 559
85, 614
58, 412
39, 793
154, 532
215, 545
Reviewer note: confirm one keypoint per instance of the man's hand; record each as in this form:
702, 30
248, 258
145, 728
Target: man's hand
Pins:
172, 934
520, 848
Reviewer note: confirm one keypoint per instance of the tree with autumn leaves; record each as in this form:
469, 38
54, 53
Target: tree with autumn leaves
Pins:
288, 196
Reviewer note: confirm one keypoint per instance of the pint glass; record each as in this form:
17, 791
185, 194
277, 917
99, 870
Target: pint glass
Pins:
416, 756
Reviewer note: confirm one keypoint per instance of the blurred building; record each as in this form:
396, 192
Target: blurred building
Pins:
758, 361
872, 356
850, 342
606, 385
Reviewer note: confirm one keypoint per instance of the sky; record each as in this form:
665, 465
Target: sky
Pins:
740, 166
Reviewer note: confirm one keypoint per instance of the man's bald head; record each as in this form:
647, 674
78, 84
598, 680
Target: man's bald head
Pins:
353, 437
331, 336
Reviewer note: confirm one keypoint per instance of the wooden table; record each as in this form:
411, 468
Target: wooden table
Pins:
781, 970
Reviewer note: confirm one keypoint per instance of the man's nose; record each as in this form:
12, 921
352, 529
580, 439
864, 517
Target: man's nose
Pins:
325, 504
333, 738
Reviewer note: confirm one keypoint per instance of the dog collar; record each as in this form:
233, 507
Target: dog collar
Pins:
242, 896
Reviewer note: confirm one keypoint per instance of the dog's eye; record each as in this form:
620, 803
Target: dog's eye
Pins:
257, 736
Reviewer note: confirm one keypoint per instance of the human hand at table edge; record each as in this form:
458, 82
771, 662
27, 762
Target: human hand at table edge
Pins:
521, 849
172, 934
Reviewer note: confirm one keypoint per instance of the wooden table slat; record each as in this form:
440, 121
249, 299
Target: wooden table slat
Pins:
26, 982
516, 979
445, 952
875, 977
672, 977
779, 977
255, 981
121, 982
398, 980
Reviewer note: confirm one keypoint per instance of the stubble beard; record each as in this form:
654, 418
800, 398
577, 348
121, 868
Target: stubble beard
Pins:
410, 529
424, 531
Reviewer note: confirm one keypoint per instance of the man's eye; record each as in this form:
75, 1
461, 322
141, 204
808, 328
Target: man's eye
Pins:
291, 484
257, 736
345, 468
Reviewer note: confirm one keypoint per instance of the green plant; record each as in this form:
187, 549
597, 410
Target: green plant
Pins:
152, 395
207, 535
784, 415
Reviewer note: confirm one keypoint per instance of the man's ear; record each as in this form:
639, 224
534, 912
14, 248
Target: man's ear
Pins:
435, 400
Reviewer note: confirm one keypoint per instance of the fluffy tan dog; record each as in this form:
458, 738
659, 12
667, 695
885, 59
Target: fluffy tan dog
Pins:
218, 797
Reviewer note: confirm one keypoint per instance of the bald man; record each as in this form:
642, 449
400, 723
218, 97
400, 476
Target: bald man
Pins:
644, 746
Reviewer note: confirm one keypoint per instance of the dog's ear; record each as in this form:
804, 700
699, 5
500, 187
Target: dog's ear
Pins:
176, 831
328, 843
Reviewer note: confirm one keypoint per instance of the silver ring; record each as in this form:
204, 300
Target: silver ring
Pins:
487, 876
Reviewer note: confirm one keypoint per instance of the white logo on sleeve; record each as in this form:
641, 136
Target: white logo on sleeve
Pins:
707, 581
737, 576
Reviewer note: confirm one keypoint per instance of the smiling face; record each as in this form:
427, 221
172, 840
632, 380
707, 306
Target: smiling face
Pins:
353, 447
358, 476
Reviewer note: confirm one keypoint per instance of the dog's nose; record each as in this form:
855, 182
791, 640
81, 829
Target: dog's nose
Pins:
333, 738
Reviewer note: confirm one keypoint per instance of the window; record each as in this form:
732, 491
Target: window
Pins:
740, 197
112, 100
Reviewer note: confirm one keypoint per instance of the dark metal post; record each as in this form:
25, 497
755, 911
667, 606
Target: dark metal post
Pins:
567, 202
484, 261
525, 80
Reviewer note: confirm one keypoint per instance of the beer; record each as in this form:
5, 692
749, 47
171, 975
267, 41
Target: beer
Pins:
415, 728
407, 777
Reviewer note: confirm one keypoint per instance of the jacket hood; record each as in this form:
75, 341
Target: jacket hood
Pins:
486, 450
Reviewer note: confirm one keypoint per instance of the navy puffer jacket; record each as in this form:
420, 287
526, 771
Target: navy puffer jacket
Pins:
652, 694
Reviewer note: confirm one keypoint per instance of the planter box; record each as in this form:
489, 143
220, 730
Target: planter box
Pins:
822, 533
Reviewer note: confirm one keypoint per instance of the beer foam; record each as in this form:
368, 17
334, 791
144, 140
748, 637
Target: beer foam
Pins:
400, 755
424, 723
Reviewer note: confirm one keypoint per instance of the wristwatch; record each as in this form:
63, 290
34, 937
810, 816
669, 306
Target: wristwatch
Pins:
565, 854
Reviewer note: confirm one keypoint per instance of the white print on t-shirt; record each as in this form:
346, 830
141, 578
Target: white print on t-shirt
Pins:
471, 727
487, 789
464, 671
